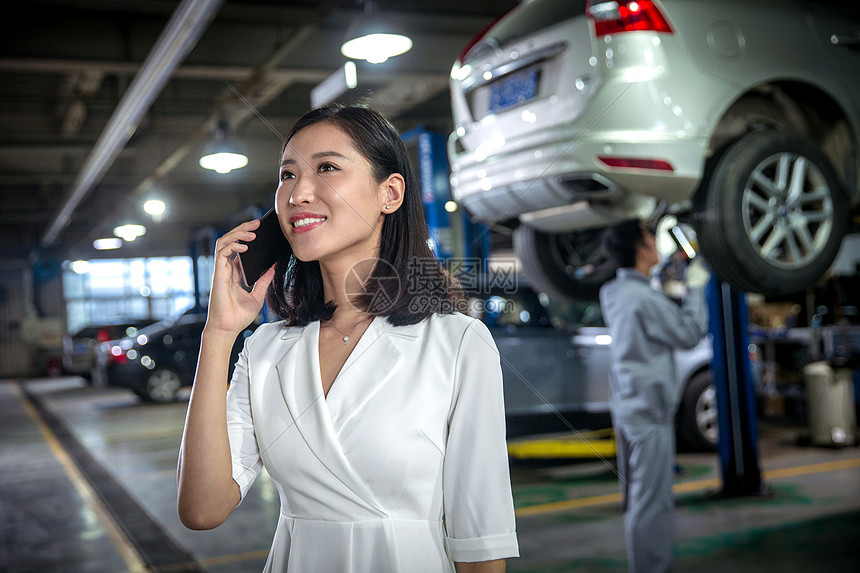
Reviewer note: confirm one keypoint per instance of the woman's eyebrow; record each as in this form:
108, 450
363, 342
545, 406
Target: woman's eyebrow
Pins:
322, 154
318, 155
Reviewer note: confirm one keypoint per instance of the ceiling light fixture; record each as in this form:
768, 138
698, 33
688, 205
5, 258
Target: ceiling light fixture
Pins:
370, 38
220, 155
129, 232
155, 208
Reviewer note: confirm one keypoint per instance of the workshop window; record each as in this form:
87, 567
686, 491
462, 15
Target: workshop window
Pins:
118, 290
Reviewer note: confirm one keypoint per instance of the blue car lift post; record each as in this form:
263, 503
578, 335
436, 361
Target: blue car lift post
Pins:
732, 377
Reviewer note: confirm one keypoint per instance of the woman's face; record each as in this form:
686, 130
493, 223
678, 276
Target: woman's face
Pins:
328, 203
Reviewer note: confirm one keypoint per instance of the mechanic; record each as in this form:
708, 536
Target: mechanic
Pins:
646, 326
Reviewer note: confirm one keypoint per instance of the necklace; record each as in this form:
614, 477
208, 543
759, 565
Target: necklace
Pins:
346, 336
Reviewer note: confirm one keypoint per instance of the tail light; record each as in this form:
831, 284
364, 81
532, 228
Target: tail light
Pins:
117, 355
636, 163
103, 335
617, 16
478, 37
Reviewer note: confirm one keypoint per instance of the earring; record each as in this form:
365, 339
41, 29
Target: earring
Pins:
387, 207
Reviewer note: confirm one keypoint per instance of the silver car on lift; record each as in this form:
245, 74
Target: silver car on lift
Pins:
740, 117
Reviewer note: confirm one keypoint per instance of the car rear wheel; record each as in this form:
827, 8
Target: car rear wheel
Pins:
563, 265
698, 427
163, 385
772, 214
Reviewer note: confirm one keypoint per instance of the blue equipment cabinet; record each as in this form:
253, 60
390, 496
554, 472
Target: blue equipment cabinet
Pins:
453, 234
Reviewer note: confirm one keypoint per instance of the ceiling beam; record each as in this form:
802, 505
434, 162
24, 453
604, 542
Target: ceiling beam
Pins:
193, 72
235, 101
179, 36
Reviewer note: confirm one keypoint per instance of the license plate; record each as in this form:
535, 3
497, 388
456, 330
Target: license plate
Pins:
516, 89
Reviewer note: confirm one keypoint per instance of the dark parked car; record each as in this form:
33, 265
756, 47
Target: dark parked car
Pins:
80, 348
160, 359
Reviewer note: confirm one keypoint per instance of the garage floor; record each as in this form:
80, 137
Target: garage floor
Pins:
87, 483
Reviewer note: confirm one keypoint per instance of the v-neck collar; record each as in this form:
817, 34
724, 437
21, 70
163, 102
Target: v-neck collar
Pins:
354, 354
369, 367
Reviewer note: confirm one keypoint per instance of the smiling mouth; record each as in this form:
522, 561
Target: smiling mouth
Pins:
308, 221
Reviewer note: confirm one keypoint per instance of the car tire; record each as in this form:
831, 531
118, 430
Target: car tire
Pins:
564, 265
697, 422
759, 234
163, 385
142, 395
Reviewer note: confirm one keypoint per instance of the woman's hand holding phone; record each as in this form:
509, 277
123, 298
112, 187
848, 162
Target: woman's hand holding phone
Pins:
231, 306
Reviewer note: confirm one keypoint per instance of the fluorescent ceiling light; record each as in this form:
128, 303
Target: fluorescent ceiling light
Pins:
350, 75
107, 244
331, 88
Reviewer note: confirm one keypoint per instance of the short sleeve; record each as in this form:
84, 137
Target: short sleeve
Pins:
479, 508
244, 451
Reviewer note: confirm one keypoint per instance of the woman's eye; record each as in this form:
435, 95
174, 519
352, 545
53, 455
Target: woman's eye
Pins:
327, 167
286, 175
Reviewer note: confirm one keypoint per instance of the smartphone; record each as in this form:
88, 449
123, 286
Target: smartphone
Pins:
683, 243
269, 246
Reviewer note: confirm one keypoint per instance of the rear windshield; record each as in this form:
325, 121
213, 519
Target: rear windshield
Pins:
534, 16
87, 332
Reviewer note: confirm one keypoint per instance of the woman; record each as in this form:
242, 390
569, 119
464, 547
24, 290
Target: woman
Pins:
376, 410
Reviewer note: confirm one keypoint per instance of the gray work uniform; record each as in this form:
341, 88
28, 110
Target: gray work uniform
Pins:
646, 326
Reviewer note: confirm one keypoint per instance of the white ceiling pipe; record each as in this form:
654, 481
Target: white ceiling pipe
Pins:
180, 35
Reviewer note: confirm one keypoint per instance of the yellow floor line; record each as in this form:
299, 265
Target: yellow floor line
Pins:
127, 551
143, 435
812, 469
686, 487
699, 485
568, 504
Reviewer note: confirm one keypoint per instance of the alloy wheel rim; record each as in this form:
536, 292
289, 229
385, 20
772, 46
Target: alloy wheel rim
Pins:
579, 255
787, 210
163, 385
706, 414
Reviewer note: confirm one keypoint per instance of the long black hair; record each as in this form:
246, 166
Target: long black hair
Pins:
408, 284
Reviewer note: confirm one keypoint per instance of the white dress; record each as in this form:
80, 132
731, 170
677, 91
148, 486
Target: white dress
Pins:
403, 466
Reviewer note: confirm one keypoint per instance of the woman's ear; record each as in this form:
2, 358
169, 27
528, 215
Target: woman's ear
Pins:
392, 190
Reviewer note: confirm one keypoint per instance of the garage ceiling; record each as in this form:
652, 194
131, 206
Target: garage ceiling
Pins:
65, 67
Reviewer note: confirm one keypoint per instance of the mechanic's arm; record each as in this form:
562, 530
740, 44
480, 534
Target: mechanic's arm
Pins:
681, 327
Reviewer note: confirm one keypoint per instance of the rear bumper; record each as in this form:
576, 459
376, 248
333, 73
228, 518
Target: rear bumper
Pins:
78, 364
544, 153
533, 175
